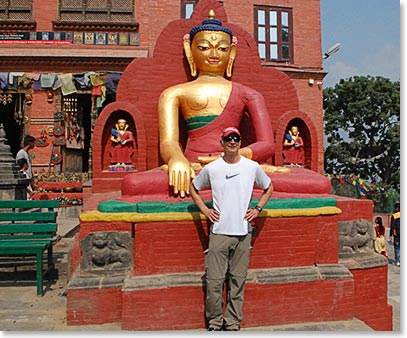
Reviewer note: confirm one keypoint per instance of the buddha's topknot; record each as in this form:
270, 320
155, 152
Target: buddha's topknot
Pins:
210, 24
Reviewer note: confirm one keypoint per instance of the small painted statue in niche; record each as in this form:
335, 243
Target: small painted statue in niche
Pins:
293, 150
122, 147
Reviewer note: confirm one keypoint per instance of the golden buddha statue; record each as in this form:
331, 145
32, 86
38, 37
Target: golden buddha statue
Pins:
208, 104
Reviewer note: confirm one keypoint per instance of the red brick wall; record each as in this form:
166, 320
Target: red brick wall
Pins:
295, 241
370, 298
178, 308
169, 247
277, 304
174, 247
45, 11
91, 306
354, 208
75, 256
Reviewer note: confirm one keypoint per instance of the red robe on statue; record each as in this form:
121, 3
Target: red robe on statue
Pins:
293, 154
121, 153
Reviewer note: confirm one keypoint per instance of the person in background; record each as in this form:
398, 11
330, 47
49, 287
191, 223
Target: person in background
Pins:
23, 165
24, 152
231, 179
380, 240
395, 232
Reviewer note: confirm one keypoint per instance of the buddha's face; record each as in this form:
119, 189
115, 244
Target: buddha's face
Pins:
211, 51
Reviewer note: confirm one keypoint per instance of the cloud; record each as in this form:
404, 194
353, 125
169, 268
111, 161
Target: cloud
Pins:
339, 70
384, 62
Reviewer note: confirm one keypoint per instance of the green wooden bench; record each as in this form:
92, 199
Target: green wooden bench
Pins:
28, 228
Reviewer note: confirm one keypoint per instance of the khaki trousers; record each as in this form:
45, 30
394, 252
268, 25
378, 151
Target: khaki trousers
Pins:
226, 255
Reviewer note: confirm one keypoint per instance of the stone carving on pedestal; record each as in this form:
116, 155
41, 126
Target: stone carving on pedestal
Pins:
355, 237
106, 252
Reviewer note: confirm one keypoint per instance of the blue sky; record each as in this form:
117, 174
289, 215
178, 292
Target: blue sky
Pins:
369, 32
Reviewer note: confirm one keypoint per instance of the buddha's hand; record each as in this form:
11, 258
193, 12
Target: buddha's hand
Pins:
208, 159
180, 174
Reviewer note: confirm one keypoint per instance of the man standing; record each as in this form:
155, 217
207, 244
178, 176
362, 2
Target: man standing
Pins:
24, 152
231, 178
395, 232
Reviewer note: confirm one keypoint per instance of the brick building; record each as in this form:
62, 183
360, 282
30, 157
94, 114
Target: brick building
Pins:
60, 62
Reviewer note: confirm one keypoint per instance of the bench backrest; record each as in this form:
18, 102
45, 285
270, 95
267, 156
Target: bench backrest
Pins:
27, 219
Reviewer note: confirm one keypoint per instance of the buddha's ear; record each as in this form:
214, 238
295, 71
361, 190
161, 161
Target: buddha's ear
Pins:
232, 57
188, 54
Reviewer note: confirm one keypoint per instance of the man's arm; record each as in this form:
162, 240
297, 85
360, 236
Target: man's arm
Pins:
391, 228
209, 213
251, 214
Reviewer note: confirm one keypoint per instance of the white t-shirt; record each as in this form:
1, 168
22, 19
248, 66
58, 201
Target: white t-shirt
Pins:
232, 188
23, 154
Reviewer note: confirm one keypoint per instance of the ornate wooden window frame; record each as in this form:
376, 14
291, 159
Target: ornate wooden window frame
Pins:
83, 24
16, 18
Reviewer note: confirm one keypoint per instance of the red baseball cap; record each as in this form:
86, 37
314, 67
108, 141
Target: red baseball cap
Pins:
229, 130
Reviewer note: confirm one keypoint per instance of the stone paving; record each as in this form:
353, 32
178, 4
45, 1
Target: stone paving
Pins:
22, 310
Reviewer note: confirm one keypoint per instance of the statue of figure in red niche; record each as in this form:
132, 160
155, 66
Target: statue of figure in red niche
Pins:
293, 148
122, 147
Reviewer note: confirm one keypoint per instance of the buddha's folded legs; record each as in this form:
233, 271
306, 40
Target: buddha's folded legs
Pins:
298, 181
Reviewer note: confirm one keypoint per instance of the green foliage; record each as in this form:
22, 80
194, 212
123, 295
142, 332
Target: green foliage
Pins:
362, 130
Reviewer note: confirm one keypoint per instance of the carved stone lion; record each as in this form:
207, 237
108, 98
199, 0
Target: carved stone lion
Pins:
355, 237
106, 251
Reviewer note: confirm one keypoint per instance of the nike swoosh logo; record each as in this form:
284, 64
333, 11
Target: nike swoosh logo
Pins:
228, 177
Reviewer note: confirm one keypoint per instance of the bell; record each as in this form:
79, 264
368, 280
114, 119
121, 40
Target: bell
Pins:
50, 96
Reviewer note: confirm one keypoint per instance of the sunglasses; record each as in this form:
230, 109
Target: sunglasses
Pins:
231, 137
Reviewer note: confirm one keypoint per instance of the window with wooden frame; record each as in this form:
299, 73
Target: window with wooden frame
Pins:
90, 13
16, 10
16, 14
187, 7
274, 33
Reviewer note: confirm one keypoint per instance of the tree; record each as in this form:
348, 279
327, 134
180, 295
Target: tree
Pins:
362, 130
